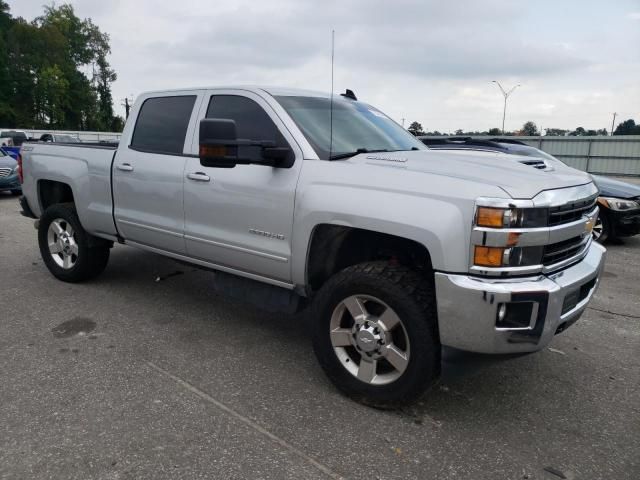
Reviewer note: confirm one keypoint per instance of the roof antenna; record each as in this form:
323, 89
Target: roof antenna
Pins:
349, 94
333, 35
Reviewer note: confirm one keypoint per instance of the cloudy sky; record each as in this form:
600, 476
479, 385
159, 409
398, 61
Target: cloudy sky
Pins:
425, 60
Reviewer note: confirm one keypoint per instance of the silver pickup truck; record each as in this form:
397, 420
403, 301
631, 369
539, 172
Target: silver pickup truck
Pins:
296, 198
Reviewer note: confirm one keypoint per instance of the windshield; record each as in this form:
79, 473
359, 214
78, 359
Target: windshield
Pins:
356, 126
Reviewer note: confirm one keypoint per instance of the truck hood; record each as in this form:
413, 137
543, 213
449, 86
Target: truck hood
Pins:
492, 168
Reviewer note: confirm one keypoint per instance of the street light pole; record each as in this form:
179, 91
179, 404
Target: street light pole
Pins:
506, 95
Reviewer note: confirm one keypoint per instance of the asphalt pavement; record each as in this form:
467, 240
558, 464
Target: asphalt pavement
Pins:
144, 373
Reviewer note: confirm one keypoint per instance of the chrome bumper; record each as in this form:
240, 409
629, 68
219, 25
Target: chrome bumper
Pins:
468, 306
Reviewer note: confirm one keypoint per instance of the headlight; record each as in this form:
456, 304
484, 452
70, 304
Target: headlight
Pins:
492, 217
506, 256
619, 204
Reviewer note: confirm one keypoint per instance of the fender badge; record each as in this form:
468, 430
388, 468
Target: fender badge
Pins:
387, 159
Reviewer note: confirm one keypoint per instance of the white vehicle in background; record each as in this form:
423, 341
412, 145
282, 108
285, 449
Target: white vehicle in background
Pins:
58, 138
12, 138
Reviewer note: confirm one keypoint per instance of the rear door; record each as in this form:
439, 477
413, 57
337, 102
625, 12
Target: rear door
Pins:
241, 217
148, 171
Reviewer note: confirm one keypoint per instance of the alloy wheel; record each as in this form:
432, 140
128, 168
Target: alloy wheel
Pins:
62, 243
369, 339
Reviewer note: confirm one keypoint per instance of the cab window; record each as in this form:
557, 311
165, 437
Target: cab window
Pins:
161, 126
252, 122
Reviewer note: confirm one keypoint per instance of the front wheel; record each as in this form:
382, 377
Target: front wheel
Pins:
70, 253
602, 229
375, 333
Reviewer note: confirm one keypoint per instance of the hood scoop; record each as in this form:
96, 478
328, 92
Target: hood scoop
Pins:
538, 163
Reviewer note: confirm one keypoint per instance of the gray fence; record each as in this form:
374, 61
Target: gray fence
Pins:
617, 155
82, 136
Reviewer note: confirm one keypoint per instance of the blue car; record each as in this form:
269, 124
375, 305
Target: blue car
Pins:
9, 174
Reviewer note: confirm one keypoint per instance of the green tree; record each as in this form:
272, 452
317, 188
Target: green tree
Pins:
42, 65
416, 128
578, 132
555, 132
494, 132
530, 129
628, 127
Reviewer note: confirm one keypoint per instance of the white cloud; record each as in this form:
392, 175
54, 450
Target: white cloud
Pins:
424, 60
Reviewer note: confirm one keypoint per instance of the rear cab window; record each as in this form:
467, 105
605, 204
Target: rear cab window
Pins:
162, 123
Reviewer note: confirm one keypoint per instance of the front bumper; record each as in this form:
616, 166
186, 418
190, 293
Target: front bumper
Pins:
10, 182
626, 222
468, 306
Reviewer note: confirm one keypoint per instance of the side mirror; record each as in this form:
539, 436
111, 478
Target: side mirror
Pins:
219, 147
218, 143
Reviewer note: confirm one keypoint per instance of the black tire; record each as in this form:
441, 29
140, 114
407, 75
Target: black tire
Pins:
607, 232
16, 192
412, 297
93, 252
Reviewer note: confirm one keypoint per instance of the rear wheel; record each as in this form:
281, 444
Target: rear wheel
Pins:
70, 253
375, 333
16, 192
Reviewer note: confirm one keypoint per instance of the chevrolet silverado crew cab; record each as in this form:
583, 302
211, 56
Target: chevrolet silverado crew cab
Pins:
300, 198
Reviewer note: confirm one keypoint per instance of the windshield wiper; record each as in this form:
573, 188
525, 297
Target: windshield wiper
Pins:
341, 156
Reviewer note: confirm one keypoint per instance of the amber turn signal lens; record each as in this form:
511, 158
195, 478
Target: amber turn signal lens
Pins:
213, 151
490, 217
488, 256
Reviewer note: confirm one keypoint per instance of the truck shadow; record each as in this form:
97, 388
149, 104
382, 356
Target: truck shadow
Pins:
497, 388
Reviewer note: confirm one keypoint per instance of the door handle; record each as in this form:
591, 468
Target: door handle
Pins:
198, 176
125, 167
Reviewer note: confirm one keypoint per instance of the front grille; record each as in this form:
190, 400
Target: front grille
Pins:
571, 212
5, 172
560, 251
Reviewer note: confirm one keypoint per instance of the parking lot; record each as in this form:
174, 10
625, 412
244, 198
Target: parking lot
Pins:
144, 373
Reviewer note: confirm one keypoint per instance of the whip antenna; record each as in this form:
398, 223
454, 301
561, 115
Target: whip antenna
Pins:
333, 35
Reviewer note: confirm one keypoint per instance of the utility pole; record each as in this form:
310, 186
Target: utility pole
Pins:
613, 122
403, 122
127, 107
506, 95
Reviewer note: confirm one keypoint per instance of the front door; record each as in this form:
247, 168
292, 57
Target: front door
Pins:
241, 217
148, 186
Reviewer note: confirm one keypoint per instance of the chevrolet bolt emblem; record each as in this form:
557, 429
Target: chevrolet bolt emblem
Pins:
588, 226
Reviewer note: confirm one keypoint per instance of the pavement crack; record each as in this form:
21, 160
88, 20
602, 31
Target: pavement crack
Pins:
628, 315
247, 421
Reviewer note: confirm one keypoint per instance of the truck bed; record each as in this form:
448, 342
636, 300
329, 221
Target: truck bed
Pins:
85, 167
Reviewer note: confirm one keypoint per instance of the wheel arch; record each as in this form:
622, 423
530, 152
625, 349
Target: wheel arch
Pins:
51, 192
333, 247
